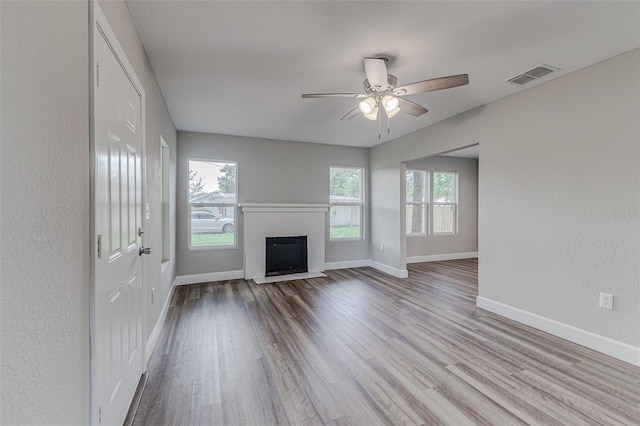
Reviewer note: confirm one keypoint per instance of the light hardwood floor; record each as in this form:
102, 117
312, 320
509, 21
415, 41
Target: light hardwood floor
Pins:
362, 348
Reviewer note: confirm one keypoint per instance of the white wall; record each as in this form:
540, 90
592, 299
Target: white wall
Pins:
45, 213
45, 205
559, 196
269, 171
158, 122
466, 238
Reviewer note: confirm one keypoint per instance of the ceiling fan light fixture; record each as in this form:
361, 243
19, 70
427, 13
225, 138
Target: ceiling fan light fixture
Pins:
391, 105
372, 115
367, 106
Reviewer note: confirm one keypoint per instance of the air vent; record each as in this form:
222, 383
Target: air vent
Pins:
532, 74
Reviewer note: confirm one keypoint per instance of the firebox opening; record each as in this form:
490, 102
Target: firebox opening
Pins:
286, 255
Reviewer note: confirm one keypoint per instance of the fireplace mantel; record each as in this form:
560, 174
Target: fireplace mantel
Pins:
262, 220
282, 207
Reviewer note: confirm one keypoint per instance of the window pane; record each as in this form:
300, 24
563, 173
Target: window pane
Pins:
444, 187
345, 185
416, 219
344, 222
212, 226
443, 219
416, 186
212, 182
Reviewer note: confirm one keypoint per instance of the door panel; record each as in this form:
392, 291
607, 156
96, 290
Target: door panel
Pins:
118, 282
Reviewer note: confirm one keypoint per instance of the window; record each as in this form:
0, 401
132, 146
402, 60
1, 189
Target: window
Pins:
432, 202
346, 206
212, 204
445, 202
165, 191
417, 202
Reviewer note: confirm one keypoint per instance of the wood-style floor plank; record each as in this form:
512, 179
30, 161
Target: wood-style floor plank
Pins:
359, 347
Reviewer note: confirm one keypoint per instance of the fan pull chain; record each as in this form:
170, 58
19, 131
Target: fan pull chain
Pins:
379, 120
388, 125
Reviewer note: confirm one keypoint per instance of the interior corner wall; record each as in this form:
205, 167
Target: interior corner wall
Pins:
465, 240
158, 123
269, 171
559, 195
44, 212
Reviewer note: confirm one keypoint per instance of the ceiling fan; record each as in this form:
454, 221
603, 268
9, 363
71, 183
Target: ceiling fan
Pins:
381, 93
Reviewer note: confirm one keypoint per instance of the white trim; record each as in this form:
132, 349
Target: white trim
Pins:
209, 277
345, 264
620, 350
157, 329
398, 273
439, 257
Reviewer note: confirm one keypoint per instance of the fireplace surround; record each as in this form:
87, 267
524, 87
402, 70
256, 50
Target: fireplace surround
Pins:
262, 220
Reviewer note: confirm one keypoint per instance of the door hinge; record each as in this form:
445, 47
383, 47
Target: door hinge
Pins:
100, 413
99, 246
97, 73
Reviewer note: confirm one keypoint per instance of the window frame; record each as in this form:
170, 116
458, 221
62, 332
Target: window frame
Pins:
454, 203
426, 209
226, 205
165, 195
359, 204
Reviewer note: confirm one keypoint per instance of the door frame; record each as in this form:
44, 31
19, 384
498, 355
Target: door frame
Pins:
99, 24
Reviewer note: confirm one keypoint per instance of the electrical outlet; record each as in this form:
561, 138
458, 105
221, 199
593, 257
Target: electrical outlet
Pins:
381, 247
606, 300
153, 295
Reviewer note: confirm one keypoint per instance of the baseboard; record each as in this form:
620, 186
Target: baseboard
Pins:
347, 264
605, 345
398, 273
209, 277
239, 274
439, 257
157, 329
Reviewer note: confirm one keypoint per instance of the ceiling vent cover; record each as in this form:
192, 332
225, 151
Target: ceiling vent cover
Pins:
532, 74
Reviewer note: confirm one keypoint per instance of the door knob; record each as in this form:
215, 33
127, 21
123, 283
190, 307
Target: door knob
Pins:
144, 250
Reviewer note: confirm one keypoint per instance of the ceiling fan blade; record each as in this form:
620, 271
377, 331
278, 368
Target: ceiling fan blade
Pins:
432, 85
376, 71
351, 114
411, 107
335, 95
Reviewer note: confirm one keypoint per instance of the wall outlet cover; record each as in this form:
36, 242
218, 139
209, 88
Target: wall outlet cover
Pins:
606, 300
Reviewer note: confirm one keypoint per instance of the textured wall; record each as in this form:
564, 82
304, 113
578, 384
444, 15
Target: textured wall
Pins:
559, 195
45, 213
466, 239
269, 171
158, 122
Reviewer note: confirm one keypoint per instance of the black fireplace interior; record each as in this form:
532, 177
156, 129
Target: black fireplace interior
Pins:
286, 255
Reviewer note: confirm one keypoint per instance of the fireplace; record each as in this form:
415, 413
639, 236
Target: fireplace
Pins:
266, 220
286, 255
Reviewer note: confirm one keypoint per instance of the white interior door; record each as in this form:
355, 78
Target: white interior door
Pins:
118, 217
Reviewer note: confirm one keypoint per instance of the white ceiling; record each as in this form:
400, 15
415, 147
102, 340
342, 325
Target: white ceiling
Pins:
240, 67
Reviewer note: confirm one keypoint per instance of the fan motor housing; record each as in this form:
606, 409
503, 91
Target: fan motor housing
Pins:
392, 81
